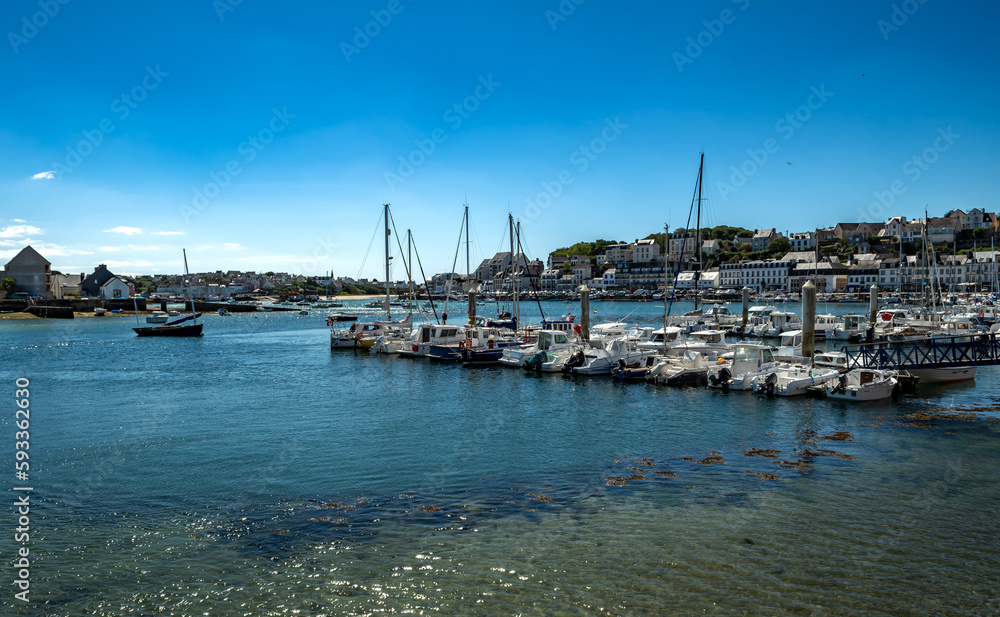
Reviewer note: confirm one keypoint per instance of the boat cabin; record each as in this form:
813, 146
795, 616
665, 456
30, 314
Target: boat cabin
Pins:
438, 334
855, 323
708, 336
753, 355
548, 338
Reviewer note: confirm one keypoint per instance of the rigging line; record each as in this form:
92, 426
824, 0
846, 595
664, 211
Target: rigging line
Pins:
370, 243
424, 278
531, 280
680, 258
479, 250
451, 274
402, 254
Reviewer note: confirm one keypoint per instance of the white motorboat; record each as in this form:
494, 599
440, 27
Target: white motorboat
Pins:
776, 323
853, 327
826, 325
792, 380
601, 361
709, 343
790, 346
690, 369
425, 336
661, 339
749, 360
552, 341
157, 317
863, 384
831, 359
944, 375
364, 335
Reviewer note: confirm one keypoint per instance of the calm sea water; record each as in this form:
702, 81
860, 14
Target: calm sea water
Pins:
255, 472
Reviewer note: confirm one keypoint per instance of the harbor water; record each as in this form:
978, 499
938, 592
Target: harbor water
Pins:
255, 472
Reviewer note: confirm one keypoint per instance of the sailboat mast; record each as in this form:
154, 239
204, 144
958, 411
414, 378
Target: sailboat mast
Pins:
697, 240
468, 272
409, 264
388, 313
190, 296
929, 259
666, 270
902, 262
517, 295
510, 220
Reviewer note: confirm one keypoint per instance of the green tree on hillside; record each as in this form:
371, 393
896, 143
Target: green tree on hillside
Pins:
779, 247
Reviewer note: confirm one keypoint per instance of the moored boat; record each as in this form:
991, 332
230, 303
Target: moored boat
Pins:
792, 380
863, 384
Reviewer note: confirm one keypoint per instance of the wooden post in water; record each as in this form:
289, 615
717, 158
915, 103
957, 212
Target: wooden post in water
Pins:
472, 307
808, 319
872, 304
585, 313
746, 306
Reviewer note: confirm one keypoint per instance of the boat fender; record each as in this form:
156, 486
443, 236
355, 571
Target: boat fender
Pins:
414, 348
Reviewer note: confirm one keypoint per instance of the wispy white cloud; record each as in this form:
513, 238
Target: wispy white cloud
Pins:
234, 246
121, 229
44, 175
121, 264
276, 258
19, 220
130, 247
19, 231
168, 233
48, 250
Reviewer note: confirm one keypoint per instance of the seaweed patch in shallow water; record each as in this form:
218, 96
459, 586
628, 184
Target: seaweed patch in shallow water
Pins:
838, 436
926, 418
799, 464
763, 453
714, 459
762, 476
814, 453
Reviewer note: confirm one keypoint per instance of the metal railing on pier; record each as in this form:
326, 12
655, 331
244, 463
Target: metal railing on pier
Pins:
944, 352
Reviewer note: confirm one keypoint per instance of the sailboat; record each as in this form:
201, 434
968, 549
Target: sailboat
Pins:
367, 335
178, 327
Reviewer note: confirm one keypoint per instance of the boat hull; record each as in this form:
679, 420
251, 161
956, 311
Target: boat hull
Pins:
944, 375
189, 330
853, 393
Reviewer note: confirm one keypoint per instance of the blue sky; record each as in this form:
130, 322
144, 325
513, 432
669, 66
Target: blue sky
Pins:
266, 136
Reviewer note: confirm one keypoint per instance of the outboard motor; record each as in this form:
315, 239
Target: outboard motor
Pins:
534, 363
769, 383
841, 385
722, 378
577, 359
